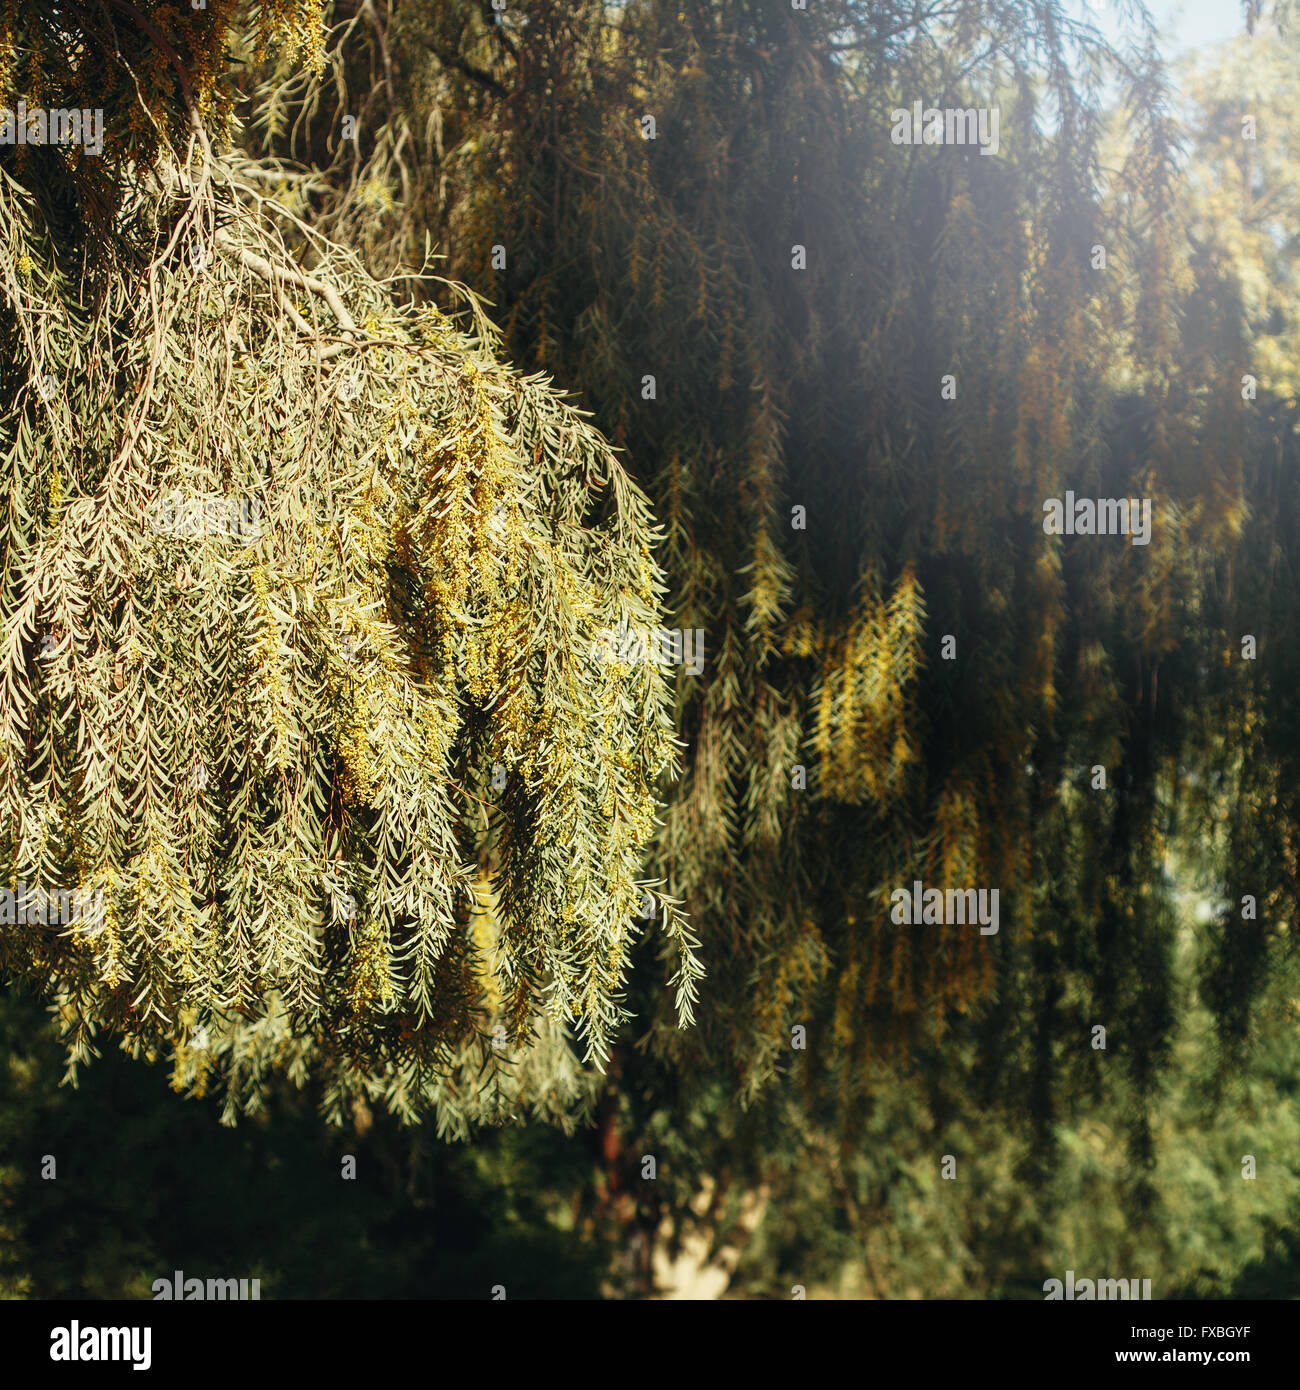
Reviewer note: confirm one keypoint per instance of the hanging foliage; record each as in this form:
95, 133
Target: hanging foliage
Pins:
311, 742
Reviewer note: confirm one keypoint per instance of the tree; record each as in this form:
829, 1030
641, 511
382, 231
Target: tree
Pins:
304, 597
824, 547
761, 295
850, 373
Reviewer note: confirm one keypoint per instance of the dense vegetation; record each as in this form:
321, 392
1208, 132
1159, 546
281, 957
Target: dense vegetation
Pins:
431, 861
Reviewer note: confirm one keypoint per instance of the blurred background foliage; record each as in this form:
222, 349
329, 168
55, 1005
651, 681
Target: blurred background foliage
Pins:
149, 1182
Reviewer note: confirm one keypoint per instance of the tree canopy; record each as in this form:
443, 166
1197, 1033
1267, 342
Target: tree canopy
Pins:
290, 571
331, 650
